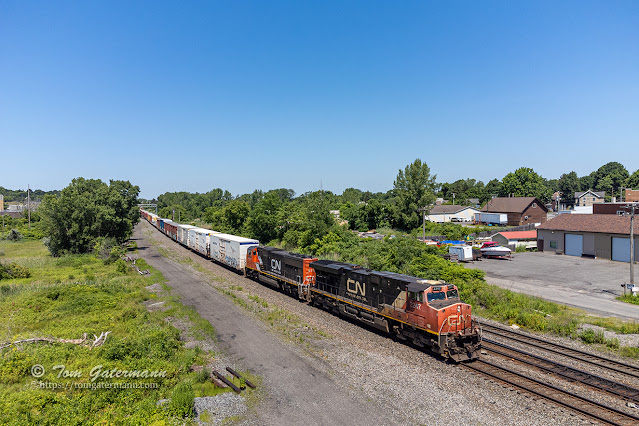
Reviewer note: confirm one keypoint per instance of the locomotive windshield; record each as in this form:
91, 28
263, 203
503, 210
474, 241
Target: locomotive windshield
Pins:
440, 295
452, 294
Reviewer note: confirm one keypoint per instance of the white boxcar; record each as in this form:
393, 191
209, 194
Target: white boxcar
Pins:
154, 219
183, 234
199, 240
230, 249
197, 235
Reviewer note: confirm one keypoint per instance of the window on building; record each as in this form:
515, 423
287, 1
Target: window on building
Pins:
534, 205
553, 244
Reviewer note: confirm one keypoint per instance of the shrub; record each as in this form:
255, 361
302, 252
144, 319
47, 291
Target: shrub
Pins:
613, 343
13, 270
121, 266
202, 375
590, 336
14, 365
181, 404
107, 249
14, 235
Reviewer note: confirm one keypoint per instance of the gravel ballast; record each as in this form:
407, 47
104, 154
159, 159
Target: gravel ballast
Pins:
408, 384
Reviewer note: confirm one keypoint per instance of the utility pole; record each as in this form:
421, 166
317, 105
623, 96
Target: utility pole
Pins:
453, 198
632, 245
423, 210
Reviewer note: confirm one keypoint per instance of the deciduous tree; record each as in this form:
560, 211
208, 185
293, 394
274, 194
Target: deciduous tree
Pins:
610, 177
86, 210
633, 181
414, 188
568, 184
524, 182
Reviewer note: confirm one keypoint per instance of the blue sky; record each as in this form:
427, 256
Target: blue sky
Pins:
244, 95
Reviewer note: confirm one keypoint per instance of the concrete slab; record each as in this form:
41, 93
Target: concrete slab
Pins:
588, 284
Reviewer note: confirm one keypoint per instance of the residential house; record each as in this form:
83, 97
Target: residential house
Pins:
588, 198
604, 236
520, 210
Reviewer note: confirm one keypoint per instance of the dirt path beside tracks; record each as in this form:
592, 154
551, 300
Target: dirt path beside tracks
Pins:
297, 392
341, 373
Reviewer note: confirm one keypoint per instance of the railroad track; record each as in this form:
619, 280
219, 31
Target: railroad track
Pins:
565, 372
599, 361
586, 406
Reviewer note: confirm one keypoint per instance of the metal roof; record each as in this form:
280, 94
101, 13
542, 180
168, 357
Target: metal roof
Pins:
597, 223
519, 235
511, 204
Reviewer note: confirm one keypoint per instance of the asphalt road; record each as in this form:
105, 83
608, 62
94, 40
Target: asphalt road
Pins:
297, 392
588, 284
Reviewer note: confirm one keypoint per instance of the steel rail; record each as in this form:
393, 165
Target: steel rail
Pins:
599, 361
562, 397
569, 373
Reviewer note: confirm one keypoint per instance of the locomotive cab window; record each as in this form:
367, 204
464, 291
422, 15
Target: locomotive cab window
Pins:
439, 295
417, 296
452, 294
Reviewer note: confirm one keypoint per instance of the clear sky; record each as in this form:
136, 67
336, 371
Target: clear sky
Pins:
244, 95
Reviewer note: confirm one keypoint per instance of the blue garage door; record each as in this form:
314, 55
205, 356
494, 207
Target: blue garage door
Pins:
621, 249
574, 245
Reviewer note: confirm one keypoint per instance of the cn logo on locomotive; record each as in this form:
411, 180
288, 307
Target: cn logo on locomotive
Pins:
359, 287
276, 266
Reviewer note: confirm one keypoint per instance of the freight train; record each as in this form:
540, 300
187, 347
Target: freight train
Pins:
426, 313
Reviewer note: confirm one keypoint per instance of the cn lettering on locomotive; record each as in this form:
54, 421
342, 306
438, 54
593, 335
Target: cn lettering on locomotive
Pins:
357, 288
276, 266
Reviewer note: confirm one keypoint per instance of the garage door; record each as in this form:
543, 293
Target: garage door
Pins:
621, 249
574, 244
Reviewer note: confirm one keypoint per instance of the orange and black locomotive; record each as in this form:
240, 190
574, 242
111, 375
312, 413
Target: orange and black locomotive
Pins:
425, 312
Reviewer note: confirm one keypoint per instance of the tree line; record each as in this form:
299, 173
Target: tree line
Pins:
525, 182
89, 212
10, 195
296, 221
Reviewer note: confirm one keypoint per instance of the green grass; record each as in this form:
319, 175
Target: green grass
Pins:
629, 298
284, 322
68, 296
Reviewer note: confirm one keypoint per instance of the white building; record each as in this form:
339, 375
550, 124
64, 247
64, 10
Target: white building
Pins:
448, 213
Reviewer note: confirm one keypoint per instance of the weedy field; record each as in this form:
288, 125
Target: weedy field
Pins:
65, 378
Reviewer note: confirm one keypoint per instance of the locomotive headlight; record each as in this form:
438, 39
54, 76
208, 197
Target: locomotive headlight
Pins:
458, 308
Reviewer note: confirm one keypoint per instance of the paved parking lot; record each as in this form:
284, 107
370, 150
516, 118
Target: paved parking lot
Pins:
589, 284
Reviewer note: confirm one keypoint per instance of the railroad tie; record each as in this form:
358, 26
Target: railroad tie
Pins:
227, 382
236, 374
